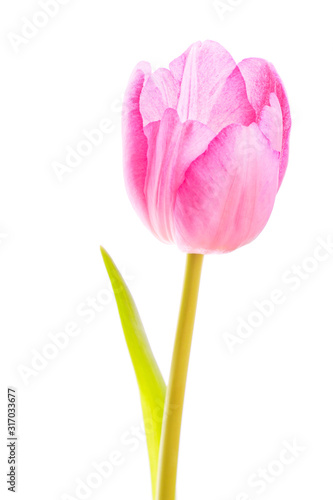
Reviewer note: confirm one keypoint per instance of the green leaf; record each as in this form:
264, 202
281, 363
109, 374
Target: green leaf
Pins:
150, 381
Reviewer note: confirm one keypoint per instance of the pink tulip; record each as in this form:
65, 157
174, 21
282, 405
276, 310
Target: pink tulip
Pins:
205, 147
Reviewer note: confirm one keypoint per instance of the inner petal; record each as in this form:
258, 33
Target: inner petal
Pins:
159, 93
232, 104
202, 72
271, 122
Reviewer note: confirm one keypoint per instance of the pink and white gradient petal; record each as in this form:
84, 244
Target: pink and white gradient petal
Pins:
262, 80
172, 147
228, 192
202, 72
135, 144
159, 93
232, 104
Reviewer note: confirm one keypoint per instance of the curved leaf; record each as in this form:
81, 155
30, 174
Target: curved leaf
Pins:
150, 381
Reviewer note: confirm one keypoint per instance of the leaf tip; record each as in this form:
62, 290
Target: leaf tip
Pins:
104, 253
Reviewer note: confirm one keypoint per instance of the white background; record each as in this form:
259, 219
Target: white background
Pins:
240, 407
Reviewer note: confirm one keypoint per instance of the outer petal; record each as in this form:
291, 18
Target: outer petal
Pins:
228, 192
172, 147
261, 81
135, 144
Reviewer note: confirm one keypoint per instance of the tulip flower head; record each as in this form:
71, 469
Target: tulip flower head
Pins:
205, 147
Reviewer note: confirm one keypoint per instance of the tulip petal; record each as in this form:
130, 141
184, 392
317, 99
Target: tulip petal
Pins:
172, 147
271, 123
262, 80
159, 93
232, 104
135, 144
228, 192
259, 80
202, 71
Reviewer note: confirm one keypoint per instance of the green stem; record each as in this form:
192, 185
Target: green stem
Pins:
173, 409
